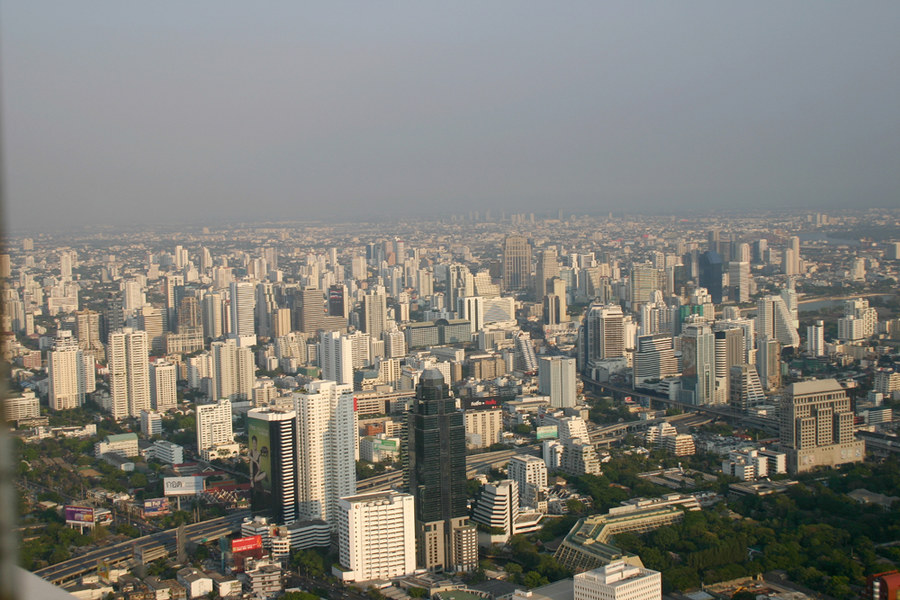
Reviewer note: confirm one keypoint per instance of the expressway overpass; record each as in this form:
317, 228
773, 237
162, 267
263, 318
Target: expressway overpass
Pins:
150, 546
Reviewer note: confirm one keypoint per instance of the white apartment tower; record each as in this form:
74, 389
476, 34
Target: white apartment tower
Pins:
376, 536
328, 440
71, 373
774, 321
233, 373
129, 373
243, 307
556, 376
530, 474
336, 357
163, 392
214, 427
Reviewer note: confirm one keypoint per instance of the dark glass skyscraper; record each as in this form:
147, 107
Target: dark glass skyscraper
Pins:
711, 271
437, 478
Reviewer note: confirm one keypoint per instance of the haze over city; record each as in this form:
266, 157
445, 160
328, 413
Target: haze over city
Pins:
215, 112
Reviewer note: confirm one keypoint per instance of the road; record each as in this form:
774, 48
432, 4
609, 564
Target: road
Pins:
124, 551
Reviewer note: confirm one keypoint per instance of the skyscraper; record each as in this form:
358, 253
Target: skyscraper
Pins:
243, 308
604, 333
214, 426
711, 271
471, 308
273, 453
557, 380
327, 448
129, 373
233, 373
336, 357
815, 338
547, 268
163, 392
698, 376
71, 373
374, 313
817, 426
376, 537
436, 473
516, 270
774, 321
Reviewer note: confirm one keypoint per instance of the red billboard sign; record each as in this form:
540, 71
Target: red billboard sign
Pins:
254, 542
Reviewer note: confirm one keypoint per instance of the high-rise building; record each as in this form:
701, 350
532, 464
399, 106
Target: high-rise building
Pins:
243, 310
746, 389
654, 359
151, 320
547, 268
815, 338
497, 508
336, 357
327, 448
214, 426
71, 373
233, 373
774, 321
516, 270
604, 333
530, 473
817, 426
87, 330
556, 376
338, 303
163, 391
729, 351
376, 536
698, 374
272, 434
265, 309
212, 315
739, 281
374, 313
471, 308
436, 472
129, 373
711, 271
645, 279
619, 580
768, 363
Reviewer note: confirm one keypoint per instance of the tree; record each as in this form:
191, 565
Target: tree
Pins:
417, 592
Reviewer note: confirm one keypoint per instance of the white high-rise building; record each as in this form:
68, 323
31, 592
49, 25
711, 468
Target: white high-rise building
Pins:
233, 373
214, 426
376, 536
129, 373
243, 307
211, 315
618, 581
71, 373
774, 321
498, 507
374, 313
530, 473
336, 357
471, 308
815, 338
328, 445
163, 391
133, 297
557, 380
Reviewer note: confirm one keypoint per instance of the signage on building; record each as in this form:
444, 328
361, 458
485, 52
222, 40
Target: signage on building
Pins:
546, 432
156, 507
246, 544
182, 486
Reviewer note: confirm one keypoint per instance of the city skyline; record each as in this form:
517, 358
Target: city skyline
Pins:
222, 114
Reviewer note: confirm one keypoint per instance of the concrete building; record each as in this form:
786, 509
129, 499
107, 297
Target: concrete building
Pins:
817, 426
163, 391
556, 376
484, 424
214, 427
618, 581
376, 536
530, 474
71, 373
123, 444
129, 373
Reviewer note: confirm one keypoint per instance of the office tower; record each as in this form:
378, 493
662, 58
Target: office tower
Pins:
266, 306
746, 389
71, 372
338, 303
151, 321
729, 351
815, 338
374, 313
547, 268
189, 318
425, 283
243, 307
739, 281
768, 363
311, 316
272, 435
791, 259
711, 271
618, 580
774, 321
436, 451
65, 265
233, 373
87, 330
654, 359
516, 271
604, 333
129, 373
376, 536
817, 426
133, 297
497, 508
394, 344
336, 357
557, 380
698, 376
327, 447
555, 305
281, 322
530, 474
471, 308
212, 316
645, 279
655, 316
163, 391
214, 426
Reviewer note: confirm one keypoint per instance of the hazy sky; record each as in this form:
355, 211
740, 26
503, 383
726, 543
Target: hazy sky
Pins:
213, 111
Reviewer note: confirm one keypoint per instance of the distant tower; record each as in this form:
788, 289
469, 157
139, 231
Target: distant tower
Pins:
815, 338
273, 461
437, 478
336, 357
129, 373
604, 334
71, 373
163, 393
516, 262
699, 359
243, 307
374, 317
711, 271
557, 380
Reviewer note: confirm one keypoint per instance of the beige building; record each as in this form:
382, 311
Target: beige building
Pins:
817, 426
483, 427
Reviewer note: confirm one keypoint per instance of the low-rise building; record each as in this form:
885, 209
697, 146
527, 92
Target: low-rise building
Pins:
123, 444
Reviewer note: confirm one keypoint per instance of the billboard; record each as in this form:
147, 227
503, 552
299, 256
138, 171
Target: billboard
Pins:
260, 455
156, 507
546, 432
182, 486
254, 542
79, 515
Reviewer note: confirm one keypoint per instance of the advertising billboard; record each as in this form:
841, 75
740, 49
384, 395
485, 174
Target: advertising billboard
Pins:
546, 432
156, 507
79, 515
260, 455
182, 486
245, 544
